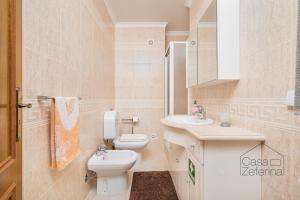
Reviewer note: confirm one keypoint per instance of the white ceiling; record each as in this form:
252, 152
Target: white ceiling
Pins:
172, 11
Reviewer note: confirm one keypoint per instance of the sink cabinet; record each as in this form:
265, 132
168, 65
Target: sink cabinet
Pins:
176, 155
217, 168
180, 158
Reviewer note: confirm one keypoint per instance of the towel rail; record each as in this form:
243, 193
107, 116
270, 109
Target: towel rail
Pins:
43, 98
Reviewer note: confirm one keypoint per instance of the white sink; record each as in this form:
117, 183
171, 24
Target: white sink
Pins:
188, 120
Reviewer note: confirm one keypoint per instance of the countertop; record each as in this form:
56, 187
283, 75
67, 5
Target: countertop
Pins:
216, 132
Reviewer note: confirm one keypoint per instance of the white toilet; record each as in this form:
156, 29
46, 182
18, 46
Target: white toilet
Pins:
135, 142
111, 168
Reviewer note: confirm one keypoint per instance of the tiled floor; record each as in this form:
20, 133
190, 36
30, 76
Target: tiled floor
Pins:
93, 196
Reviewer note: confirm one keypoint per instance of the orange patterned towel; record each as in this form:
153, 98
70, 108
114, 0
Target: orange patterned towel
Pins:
65, 129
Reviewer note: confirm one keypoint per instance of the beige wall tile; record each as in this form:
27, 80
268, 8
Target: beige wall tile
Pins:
68, 51
139, 81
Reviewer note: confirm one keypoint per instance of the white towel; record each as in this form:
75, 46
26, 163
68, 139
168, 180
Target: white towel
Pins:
65, 130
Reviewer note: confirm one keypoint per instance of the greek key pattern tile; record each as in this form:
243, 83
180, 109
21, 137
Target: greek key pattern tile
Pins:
39, 114
141, 103
270, 112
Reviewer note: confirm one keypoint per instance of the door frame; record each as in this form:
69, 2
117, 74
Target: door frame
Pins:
11, 169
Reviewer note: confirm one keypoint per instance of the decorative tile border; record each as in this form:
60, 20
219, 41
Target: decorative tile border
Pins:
269, 112
263, 112
39, 114
141, 103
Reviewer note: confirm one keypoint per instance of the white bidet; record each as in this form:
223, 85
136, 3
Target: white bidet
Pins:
111, 168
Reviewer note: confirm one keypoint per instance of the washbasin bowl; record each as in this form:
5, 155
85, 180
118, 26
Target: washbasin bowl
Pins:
188, 120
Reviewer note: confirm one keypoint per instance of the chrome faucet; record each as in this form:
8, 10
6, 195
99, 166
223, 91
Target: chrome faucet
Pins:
101, 150
202, 112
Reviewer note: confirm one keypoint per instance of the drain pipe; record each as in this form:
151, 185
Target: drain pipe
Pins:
90, 175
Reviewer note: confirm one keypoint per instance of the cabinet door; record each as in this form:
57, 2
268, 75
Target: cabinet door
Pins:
183, 185
177, 157
194, 171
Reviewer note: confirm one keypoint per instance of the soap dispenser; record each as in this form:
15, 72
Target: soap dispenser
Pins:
194, 108
198, 111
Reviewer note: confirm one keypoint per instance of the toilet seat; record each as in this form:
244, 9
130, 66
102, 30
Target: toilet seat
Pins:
137, 141
132, 137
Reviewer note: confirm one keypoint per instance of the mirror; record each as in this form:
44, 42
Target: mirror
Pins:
207, 45
191, 62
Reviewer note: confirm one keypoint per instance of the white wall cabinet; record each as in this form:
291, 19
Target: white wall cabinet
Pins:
218, 48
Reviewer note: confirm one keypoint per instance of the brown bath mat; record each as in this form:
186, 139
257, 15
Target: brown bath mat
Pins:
152, 186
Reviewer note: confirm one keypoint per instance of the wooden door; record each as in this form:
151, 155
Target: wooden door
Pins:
10, 79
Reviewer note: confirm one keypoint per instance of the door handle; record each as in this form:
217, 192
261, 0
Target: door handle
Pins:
27, 105
19, 113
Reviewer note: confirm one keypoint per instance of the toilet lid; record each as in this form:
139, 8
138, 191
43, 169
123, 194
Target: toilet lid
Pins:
132, 137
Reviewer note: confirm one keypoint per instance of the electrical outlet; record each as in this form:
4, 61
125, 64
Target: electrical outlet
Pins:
150, 42
290, 98
153, 136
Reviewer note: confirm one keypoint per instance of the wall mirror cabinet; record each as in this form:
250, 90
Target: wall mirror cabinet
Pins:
217, 42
